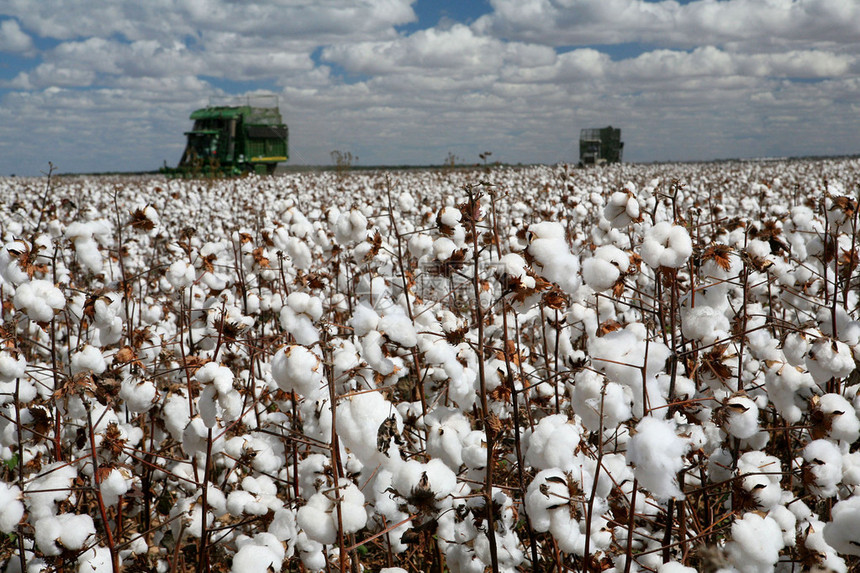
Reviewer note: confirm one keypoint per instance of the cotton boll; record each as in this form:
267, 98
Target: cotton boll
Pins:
12, 365
599, 273
434, 477
369, 426
756, 543
95, 560
784, 384
39, 299
443, 248
296, 368
761, 475
11, 508
843, 531
117, 482
138, 395
552, 444
834, 416
589, 391
88, 359
261, 554
828, 359
622, 208
180, 274
447, 428
739, 417
553, 258
657, 453
397, 326
351, 227
420, 245
546, 493
64, 531
666, 245
364, 319
822, 467
704, 323
298, 315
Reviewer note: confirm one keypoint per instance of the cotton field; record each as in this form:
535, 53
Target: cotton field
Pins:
630, 368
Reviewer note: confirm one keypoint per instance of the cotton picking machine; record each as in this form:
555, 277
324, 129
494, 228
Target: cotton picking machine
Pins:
248, 136
599, 146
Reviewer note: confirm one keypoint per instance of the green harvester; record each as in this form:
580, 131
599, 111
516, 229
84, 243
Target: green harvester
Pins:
599, 146
234, 139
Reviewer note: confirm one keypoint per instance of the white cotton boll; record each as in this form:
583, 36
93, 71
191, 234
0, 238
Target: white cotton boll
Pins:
443, 248
603, 269
704, 323
822, 468
842, 417
760, 475
88, 359
756, 543
599, 274
843, 531
360, 427
666, 245
795, 347
138, 395
787, 523
393, 570
552, 443
10, 270
296, 368
353, 514
298, 315
397, 326
740, 417
447, 428
12, 365
67, 530
546, 493
411, 475
828, 359
86, 249
552, 255
315, 519
589, 391
180, 274
657, 453
39, 299
784, 383
95, 560
117, 482
351, 227
420, 245
263, 553
364, 319
11, 508
622, 208
450, 216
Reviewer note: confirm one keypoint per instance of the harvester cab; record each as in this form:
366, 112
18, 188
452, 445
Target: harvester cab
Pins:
249, 136
599, 146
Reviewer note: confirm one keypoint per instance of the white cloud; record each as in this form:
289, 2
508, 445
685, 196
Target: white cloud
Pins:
667, 23
714, 79
13, 39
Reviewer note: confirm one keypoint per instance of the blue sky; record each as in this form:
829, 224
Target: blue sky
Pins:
109, 86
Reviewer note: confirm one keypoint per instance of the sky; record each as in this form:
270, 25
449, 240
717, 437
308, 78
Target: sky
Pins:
108, 85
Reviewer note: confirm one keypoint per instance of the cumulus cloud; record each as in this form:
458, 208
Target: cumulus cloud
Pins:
668, 23
13, 39
698, 80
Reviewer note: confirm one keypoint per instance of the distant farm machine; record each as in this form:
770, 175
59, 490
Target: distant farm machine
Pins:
234, 139
599, 146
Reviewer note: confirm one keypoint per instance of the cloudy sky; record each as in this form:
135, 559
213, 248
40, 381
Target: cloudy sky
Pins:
108, 85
